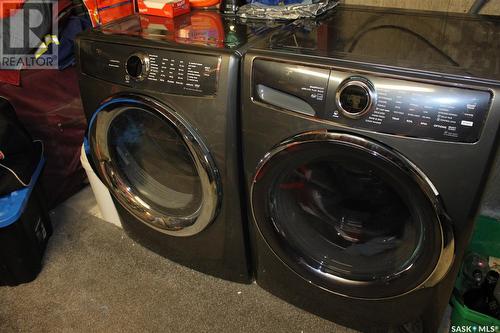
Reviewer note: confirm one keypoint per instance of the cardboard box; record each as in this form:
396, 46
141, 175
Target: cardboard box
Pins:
164, 27
105, 11
165, 8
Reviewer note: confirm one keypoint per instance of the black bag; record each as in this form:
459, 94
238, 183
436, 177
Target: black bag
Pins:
19, 154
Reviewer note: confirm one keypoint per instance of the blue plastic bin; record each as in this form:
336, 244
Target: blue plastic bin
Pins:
24, 231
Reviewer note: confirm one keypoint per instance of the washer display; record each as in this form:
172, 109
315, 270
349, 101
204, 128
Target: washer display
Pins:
355, 97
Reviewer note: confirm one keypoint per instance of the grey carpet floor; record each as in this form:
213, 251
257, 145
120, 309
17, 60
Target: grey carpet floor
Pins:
96, 279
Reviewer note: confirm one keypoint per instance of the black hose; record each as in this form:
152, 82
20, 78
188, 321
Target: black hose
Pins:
476, 7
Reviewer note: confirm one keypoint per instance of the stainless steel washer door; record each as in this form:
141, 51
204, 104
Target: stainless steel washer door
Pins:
351, 216
155, 165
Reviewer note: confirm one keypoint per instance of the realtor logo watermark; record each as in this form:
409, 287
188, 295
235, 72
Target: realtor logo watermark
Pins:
29, 34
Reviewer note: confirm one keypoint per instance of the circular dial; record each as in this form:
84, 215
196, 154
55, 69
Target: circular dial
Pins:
137, 66
355, 97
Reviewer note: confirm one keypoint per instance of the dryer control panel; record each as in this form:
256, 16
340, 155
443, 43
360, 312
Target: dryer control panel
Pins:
151, 69
372, 102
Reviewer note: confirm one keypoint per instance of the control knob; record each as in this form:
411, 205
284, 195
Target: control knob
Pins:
137, 66
355, 97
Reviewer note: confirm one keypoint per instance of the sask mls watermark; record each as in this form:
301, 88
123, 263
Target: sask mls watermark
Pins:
29, 34
474, 329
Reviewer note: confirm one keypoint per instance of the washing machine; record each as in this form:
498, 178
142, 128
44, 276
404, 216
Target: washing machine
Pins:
160, 96
367, 139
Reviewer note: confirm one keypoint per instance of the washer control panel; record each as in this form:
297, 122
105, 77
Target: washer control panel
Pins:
151, 69
417, 109
372, 102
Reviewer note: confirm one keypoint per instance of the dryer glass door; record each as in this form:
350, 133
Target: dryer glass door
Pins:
349, 215
156, 166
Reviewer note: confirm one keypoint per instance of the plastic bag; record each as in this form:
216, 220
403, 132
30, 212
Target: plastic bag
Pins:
287, 10
19, 154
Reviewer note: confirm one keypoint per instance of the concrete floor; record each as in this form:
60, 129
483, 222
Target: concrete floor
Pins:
96, 279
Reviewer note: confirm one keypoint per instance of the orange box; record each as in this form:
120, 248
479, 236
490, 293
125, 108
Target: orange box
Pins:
10, 7
115, 12
167, 26
163, 8
105, 11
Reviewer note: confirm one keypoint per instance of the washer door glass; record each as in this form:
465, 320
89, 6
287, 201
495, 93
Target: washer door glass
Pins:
152, 157
156, 166
347, 218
